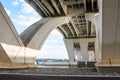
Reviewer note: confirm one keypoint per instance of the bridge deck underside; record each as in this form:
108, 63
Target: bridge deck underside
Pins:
78, 26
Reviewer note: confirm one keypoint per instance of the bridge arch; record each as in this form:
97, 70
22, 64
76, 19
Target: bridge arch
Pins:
35, 35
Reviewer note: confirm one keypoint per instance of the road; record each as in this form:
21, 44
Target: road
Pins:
52, 77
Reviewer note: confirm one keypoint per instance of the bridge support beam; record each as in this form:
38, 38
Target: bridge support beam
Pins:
16, 52
84, 50
69, 45
110, 36
13, 53
78, 51
96, 19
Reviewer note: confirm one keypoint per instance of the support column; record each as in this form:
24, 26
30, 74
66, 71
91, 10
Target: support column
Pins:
96, 52
70, 50
84, 50
110, 36
78, 55
84, 53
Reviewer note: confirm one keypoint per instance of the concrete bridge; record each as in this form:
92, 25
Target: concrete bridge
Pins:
89, 27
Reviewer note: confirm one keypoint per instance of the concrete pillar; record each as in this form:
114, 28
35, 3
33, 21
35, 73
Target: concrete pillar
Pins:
76, 47
96, 19
70, 50
110, 38
12, 50
97, 53
78, 56
84, 50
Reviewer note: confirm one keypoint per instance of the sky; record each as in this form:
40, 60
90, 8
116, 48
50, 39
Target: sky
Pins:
22, 16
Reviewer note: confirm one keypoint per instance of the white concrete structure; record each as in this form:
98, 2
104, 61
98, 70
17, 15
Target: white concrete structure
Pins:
36, 34
74, 25
13, 53
76, 54
80, 21
22, 52
109, 34
103, 14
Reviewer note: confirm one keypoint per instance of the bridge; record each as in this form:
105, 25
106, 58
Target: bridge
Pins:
89, 27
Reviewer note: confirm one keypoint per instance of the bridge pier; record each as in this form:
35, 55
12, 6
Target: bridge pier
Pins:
70, 50
13, 53
109, 65
109, 36
84, 50
78, 51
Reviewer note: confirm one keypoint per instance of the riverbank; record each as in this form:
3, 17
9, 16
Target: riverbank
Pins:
59, 71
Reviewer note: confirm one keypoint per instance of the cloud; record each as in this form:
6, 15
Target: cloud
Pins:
25, 20
21, 0
54, 38
8, 11
27, 9
25, 17
15, 3
54, 48
56, 54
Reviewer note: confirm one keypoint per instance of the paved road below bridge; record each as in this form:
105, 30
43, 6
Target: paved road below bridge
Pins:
53, 77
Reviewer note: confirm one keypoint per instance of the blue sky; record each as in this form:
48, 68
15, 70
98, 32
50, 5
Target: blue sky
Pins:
22, 16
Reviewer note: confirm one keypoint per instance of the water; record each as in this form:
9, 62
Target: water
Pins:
53, 65
42, 66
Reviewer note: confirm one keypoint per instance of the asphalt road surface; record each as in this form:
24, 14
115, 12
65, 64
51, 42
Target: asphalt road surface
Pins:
53, 77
